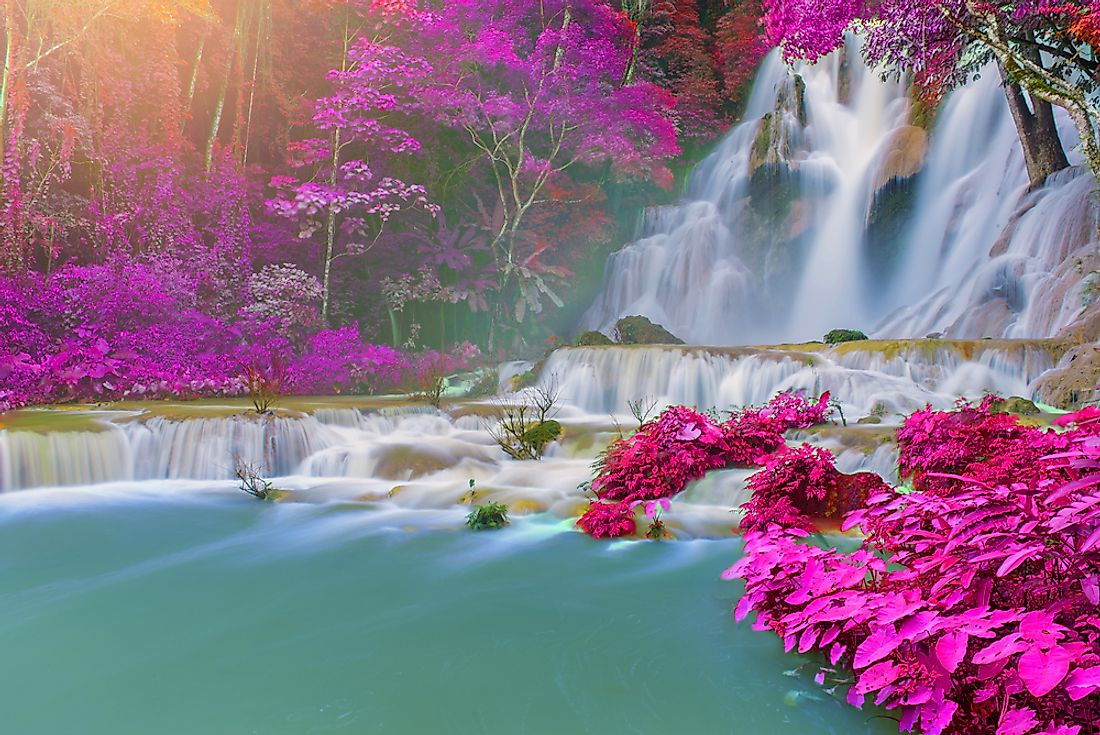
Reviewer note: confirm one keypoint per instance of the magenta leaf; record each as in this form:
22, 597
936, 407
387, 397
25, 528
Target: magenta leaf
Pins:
1041, 670
1020, 721
951, 649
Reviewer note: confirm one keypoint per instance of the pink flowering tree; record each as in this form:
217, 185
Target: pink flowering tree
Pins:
538, 89
343, 192
1046, 51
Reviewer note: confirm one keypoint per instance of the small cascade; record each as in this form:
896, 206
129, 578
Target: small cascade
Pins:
883, 378
210, 448
158, 448
36, 459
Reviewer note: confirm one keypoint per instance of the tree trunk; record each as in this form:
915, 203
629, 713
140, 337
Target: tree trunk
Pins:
219, 107
1043, 151
193, 83
9, 62
330, 228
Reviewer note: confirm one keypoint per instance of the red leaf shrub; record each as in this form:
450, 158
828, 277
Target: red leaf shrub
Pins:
662, 458
681, 445
971, 608
801, 484
973, 441
608, 520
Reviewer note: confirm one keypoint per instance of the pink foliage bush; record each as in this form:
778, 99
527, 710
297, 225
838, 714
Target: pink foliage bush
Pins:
976, 441
608, 520
970, 608
801, 484
682, 445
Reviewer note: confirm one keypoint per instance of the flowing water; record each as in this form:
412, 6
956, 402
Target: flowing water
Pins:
829, 208
143, 592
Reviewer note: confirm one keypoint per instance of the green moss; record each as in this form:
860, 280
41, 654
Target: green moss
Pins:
637, 330
55, 420
592, 338
542, 433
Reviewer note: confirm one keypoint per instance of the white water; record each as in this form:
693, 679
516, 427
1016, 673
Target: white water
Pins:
413, 467
978, 256
603, 381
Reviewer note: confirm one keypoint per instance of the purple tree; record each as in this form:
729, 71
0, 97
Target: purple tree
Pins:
341, 192
538, 89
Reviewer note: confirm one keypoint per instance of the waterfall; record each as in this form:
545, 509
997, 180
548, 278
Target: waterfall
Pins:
865, 378
158, 448
830, 207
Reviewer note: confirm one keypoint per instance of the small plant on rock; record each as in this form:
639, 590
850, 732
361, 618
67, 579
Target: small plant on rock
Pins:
524, 431
251, 482
653, 510
265, 385
490, 515
642, 409
432, 392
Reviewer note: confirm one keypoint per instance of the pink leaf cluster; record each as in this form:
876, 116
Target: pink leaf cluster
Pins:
799, 485
971, 608
682, 445
978, 441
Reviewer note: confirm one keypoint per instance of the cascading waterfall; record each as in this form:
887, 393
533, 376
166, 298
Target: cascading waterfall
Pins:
829, 208
877, 379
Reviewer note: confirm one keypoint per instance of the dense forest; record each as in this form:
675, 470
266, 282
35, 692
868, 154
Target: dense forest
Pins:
287, 177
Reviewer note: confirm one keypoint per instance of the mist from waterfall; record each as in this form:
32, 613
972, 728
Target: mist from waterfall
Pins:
829, 208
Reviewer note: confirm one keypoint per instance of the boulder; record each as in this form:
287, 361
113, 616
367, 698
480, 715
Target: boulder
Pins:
1019, 406
637, 330
1074, 381
592, 339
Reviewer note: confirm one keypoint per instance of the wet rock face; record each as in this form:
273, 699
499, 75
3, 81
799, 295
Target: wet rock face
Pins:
637, 330
890, 213
902, 155
1074, 381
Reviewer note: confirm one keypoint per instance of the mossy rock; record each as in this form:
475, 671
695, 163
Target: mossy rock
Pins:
637, 330
870, 420
542, 433
839, 336
1074, 382
404, 461
592, 338
1018, 406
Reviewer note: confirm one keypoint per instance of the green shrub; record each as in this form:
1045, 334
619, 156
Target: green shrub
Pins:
490, 515
524, 431
837, 336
